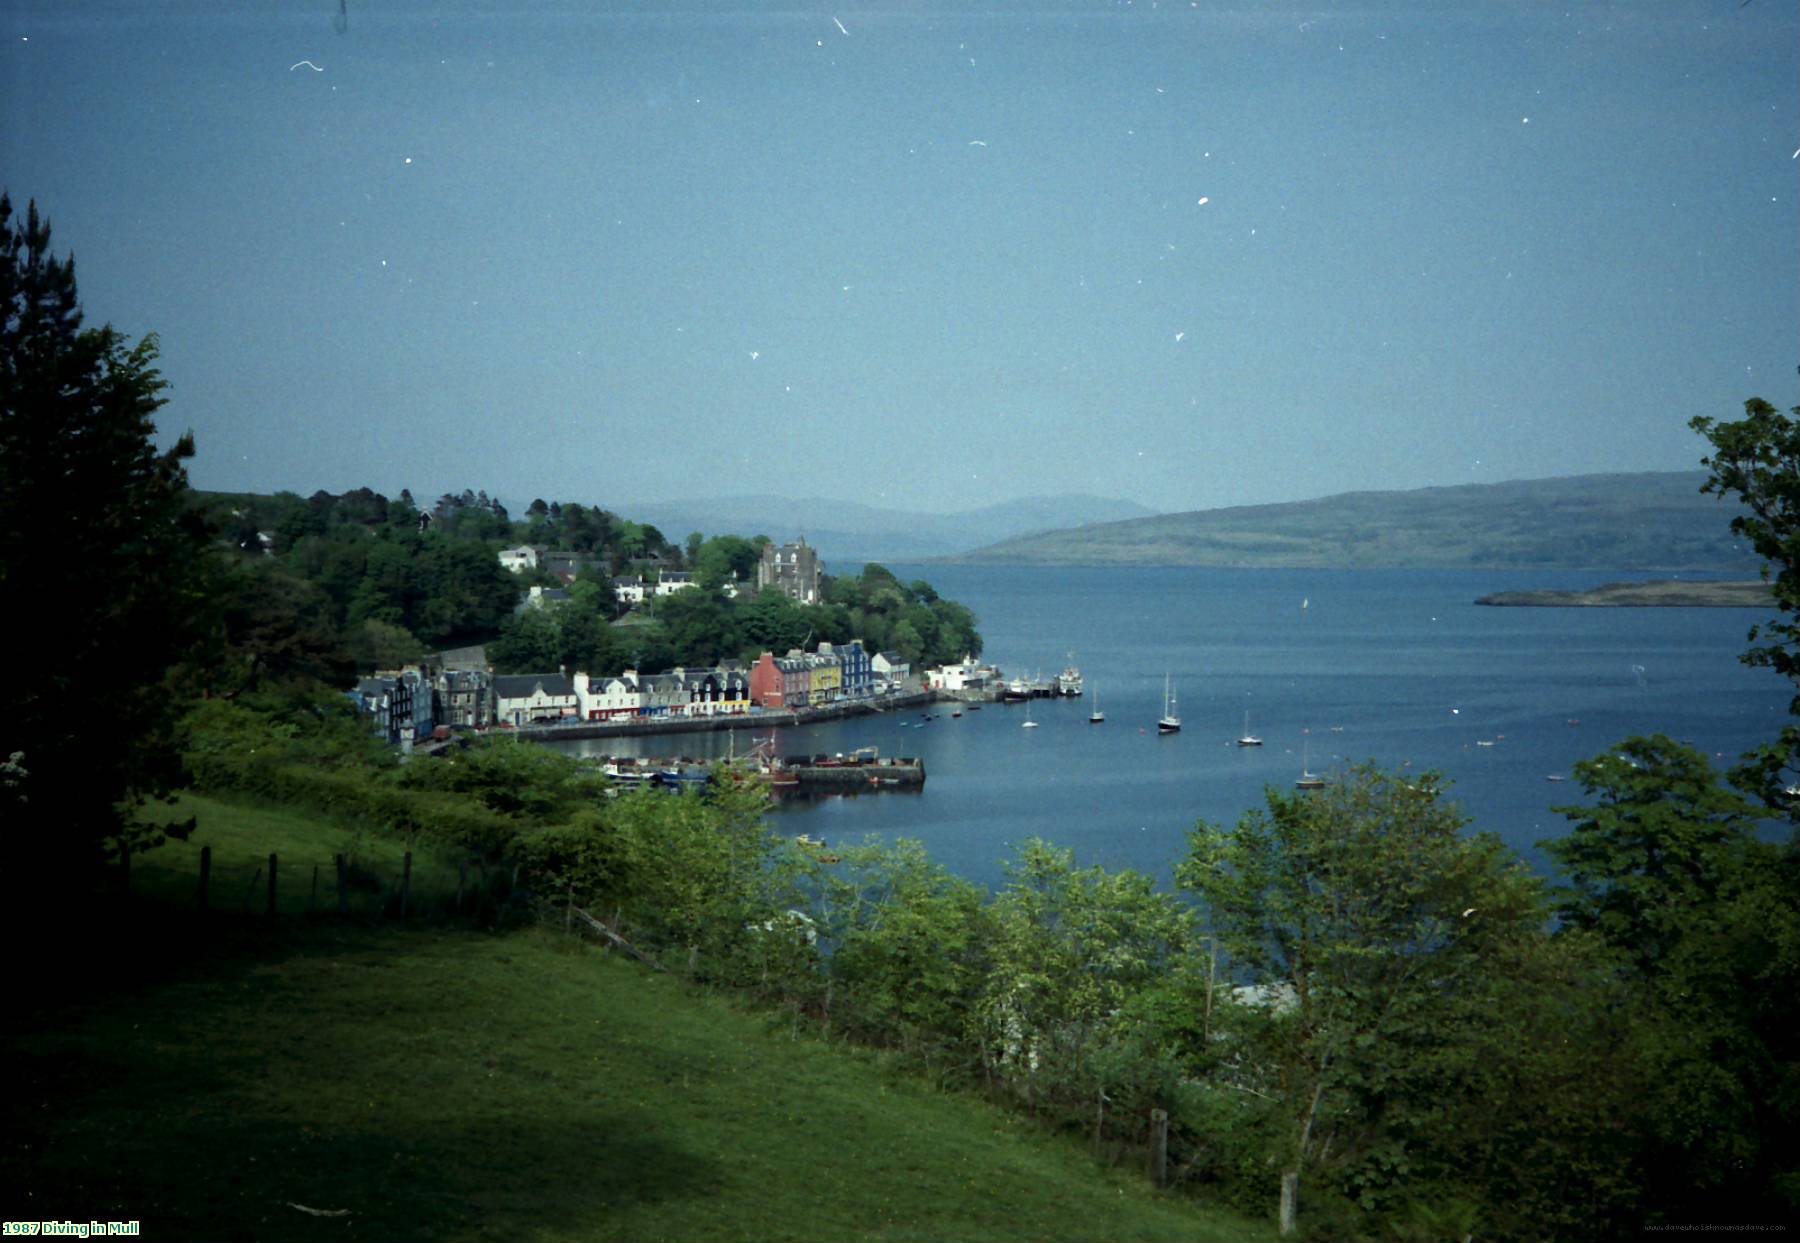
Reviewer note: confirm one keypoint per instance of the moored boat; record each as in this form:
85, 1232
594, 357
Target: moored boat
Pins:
1170, 723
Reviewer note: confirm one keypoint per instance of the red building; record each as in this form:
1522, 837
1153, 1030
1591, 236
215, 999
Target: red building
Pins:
779, 682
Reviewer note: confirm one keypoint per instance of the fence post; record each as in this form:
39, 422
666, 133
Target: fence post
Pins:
271, 883
405, 883
569, 911
205, 877
1099, 1118
343, 895
1159, 1147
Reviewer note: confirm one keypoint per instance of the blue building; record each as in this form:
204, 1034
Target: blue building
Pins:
857, 666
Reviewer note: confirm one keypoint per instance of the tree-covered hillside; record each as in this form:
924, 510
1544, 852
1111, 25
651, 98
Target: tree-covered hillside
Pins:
1649, 521
363, 580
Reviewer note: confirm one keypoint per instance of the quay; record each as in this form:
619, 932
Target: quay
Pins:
697, 724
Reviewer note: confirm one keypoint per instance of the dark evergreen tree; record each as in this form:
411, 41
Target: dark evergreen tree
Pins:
102, 562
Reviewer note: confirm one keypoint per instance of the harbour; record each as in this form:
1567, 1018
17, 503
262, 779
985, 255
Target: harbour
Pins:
1398, 667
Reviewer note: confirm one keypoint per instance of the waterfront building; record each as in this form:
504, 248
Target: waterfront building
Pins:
464, 698
534, 698
967, 674
399, 706
608, 699
892, 666
779, 682
824, 676
664, 694
856, 671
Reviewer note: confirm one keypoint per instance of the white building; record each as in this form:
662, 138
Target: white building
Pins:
606, 699
967, 674
534, 698
520, 559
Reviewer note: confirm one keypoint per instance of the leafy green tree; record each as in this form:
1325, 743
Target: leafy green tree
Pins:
700, 875
521, 779
530, 642
700, 626
1666, 869
1363, 913
462, 590
911, 951
377, 645
1071, 948
101, 553
279, 632
1757, 460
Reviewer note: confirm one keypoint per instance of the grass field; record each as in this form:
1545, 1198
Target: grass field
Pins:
243, 835
205, 1076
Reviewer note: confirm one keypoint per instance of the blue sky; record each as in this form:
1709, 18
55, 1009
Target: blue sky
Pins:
925, 255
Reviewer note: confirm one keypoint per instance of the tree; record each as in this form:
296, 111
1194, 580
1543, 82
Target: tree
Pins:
1072, 947
278, 633
1703, 919
1757, 459
102, 558
1363, 915
911, 949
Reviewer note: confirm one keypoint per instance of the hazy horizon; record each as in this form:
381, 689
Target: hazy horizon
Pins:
925, 259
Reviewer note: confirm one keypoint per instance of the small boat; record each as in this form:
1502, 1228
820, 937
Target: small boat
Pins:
1249, 739
1171, 720
1096, 716
1556, 777
1029, 723
1308, 780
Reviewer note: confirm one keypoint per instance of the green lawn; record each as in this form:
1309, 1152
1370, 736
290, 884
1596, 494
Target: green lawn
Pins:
438, 1083
243, 835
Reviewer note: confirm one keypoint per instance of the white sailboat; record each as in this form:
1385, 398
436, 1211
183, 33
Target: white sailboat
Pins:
1171, 721
1095, 716
1029, 723
1309, 780
1248, 739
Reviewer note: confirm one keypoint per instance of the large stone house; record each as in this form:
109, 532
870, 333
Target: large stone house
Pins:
792, 569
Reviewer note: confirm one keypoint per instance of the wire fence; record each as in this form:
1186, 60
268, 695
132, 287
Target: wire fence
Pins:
307, 883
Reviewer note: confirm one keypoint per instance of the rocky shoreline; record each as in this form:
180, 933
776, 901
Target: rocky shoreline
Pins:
1664, 593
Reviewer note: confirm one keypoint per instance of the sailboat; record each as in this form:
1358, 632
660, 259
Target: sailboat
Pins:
1170, 723
1029, 723
1308, 780
1096, 716
1249, 739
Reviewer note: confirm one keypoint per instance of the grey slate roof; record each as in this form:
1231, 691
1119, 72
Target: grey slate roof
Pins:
521, 685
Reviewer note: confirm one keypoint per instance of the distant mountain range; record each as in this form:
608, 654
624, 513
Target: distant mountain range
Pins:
848, 534
1635, 521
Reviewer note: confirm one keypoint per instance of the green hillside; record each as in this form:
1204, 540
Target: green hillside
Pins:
443, 1083
1650, 521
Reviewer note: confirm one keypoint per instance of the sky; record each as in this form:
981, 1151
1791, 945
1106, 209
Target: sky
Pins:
924, 255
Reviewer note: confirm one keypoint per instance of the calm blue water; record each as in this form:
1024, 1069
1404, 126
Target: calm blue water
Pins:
1396, 666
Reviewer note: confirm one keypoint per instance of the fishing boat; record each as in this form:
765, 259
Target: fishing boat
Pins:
1096, 716
1248, 739
1171, 720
